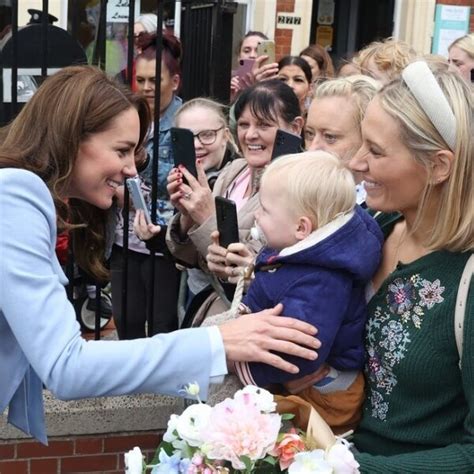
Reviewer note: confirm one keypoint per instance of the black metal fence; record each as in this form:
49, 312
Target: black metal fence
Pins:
30, 53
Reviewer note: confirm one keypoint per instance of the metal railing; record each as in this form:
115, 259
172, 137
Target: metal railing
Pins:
41, 48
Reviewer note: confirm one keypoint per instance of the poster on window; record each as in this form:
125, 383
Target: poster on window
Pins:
451, 22
118, 10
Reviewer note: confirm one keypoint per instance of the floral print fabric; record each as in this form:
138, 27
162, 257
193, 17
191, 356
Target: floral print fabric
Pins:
390, 331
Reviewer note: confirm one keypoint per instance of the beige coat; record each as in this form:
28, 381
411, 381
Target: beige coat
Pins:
193, 249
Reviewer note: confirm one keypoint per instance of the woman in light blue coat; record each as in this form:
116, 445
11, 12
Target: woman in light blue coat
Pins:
61, 161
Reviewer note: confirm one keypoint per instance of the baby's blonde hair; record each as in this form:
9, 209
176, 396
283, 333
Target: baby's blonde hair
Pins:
315, 184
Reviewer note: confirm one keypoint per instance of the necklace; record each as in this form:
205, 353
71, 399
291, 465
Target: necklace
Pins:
401, 239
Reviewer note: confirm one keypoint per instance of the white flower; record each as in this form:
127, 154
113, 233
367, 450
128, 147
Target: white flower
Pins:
170, 435
192, 389
263, 399
310, 462
191, 422
134, 461
341, 459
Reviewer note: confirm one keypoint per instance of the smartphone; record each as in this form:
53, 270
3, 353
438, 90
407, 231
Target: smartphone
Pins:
135, 190
286, 143
267, 48
182, 144
227, 223
245, 67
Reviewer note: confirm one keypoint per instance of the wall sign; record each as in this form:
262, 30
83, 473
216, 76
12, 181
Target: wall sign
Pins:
451, 22
326, 12
288, 21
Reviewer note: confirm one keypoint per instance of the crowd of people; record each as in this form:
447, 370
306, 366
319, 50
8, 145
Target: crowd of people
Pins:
349, 259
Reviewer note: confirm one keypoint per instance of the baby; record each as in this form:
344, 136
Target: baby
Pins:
321, 250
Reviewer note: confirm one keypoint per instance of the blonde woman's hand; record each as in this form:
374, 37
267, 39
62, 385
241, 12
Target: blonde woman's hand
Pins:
261, 336
216, 256
143, 230
196, 197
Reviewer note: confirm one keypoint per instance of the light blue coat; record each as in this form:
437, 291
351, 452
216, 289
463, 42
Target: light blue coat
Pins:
40, 339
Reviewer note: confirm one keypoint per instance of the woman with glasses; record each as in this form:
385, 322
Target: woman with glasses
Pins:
140, 292
215, 147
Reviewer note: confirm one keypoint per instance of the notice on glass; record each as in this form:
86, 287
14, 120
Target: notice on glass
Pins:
118, 10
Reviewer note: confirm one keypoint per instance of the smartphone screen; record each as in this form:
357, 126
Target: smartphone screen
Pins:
227, 222
286, 143
182, 144
134, 188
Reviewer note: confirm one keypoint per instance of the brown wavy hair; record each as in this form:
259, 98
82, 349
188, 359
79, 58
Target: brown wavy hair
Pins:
69, 107
321, 56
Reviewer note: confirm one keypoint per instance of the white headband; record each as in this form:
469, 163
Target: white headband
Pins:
426, 90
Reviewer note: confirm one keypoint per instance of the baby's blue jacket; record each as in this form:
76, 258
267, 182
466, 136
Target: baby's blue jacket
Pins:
323, 285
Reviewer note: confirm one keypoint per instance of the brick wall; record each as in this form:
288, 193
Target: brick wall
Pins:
283, 37
92, 454
465, 3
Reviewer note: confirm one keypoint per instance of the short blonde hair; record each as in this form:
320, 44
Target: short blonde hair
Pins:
315, 183
453, 229
390, 56
359, 89
466, 43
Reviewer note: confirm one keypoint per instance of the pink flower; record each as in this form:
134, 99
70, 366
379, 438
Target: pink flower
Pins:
238, 428
286, 449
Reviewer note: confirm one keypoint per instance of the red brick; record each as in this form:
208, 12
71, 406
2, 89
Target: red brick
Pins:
100, 462
13, 467
43, 466
124, 443
89, 446
7, 451
37, 450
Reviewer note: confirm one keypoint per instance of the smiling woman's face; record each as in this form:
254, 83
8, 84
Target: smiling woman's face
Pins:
204, 120
104, 160
394, 181
256, 137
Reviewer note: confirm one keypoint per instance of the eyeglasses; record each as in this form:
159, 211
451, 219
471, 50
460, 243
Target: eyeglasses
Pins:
207, 137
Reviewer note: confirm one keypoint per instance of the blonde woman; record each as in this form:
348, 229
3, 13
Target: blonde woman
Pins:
461, 56
418, 165
334, 118
385, 60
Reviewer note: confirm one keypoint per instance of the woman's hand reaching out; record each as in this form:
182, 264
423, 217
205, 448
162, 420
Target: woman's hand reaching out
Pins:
259, 337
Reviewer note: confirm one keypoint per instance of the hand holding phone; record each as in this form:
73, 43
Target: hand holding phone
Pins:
134, 188
286, 143
184, 153
227, 222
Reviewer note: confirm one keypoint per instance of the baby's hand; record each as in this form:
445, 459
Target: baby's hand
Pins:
143, 230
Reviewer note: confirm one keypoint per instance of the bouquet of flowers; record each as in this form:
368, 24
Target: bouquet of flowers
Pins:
243, 435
